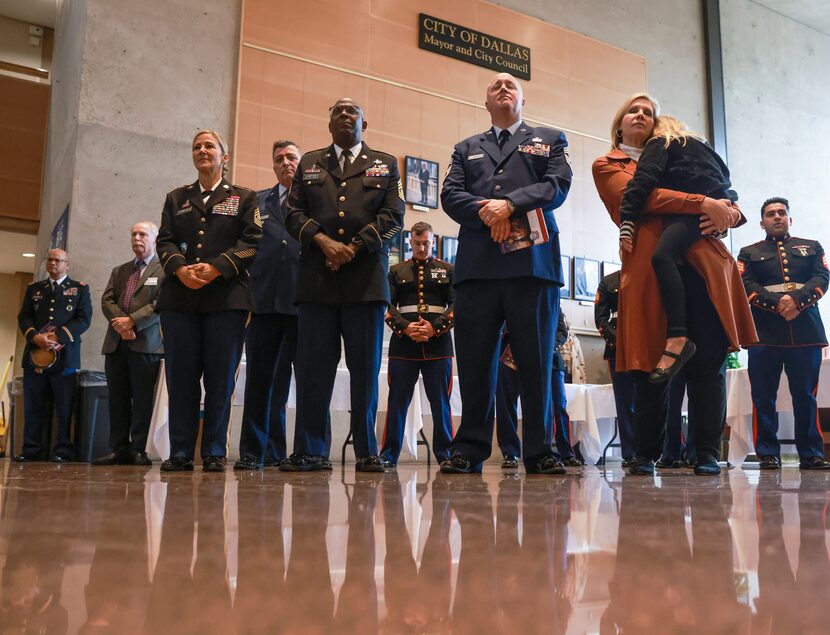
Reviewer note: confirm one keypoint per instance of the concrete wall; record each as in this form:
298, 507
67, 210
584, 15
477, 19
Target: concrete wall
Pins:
137, 81
777, 105
12, 287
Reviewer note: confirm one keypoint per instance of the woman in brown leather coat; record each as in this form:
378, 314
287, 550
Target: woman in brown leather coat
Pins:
719, 316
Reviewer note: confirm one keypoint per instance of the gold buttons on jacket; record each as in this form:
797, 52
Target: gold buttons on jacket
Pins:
343, 184
786, 262
497, 188
342, 198
198, 259
341, 231
199, 246
201, 232
203, 219
341, 214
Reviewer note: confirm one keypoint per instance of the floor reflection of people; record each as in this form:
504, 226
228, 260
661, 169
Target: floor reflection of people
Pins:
190, 591
308, 590
776, 581
259, 602
417, 600
35, 560
532, 578
357, 605
119, 584
661, 583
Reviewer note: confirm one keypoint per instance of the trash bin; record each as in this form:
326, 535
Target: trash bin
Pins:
92, 420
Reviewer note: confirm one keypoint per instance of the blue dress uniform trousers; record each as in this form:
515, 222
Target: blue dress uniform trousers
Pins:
40, 390
530, 308
802, 365
507, 423
271, 340
624, 386
201, 345
318, 353
403, 377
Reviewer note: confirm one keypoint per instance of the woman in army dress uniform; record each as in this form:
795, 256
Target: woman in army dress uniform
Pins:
207, 239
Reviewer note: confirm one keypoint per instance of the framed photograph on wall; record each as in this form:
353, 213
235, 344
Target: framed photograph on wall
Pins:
421, 182
586, 278
449, 246
609, 267
565, 291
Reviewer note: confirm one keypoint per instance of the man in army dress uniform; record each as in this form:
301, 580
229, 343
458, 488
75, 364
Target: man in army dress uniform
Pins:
784, 278
345, 208
54, 314
420, 314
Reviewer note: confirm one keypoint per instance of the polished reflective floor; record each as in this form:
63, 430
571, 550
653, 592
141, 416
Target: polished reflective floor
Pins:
125, 550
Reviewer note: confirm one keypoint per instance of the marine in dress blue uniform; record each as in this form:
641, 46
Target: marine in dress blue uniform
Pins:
345, 209
57, 309
271, 338
495, 177
420, 315
207, 240
784, 278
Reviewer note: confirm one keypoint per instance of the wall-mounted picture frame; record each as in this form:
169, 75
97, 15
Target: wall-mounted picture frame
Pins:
565, 291
406, 249
421, 182
449, 247
609, 267
586, 278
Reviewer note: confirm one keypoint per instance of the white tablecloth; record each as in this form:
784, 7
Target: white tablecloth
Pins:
590, 406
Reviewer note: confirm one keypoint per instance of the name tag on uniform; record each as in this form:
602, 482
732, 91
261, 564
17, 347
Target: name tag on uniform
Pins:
228, 207
537, 149
152, 281
475, 156
264, 216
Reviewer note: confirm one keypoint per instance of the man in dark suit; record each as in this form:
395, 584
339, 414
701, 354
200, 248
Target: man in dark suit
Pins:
495, 177
54, 314
132, 348
271, 339
345, 208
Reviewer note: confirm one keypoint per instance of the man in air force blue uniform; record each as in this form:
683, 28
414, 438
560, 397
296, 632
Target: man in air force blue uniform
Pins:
505, 172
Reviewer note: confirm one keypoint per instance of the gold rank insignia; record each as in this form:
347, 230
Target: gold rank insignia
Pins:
257, 217
245, 253
400, 191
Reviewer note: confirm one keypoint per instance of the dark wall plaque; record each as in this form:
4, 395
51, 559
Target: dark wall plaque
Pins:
475, 47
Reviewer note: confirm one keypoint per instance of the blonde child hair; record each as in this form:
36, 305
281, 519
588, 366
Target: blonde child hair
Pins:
670, 128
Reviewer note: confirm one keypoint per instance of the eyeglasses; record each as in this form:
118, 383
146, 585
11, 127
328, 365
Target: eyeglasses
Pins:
349, 110
56, 260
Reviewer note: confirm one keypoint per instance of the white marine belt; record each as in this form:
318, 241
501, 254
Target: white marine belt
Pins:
784, 288
422, 308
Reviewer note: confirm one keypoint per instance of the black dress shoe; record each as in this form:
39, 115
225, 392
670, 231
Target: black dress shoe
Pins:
628, 461
369, 464
60, 458
26, 458
769, 463
664, 375
547, 465
177, 464
387, 464
141, 458
668, 465
458, 465
707, 466
510, 463
326, 463
814, 463
248, 462
113, 458
642, 467
572, 461
302, 463
213, 464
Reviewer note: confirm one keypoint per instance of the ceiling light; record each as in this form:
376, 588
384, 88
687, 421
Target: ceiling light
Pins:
27, 254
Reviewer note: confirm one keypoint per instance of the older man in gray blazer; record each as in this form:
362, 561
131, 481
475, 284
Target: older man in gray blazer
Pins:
133, 348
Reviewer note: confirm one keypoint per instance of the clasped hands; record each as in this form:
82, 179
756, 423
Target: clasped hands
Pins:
718, 215
419, 331
495, 213
787, 308
46, 340
198, 275
124, 326
337, 254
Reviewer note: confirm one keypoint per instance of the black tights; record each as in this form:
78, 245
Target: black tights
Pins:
678, 235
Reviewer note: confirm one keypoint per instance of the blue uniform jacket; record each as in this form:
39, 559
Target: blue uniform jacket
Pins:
69, 310
788, 261
532, 170
274, 270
